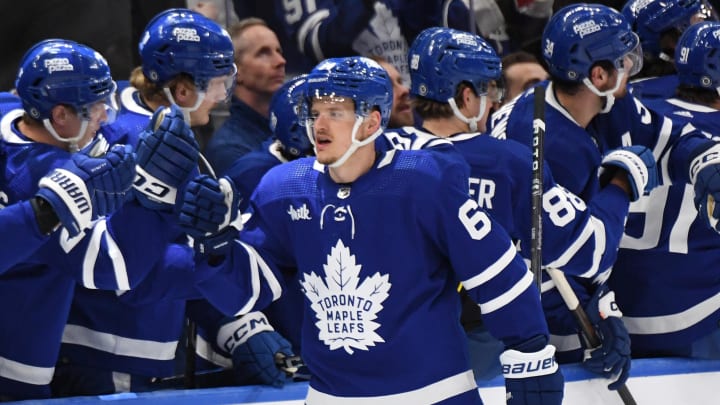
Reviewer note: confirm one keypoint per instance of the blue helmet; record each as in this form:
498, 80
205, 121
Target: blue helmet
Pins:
184, 41
442, 58
650, 18
58, 71
284, 121
697, 55
579, 35
357, 77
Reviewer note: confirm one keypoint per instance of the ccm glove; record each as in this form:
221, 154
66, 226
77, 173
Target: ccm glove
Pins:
612, 358
167, 155
209, 212
532, 377
705, 176
639, 164
86, 187
258, 352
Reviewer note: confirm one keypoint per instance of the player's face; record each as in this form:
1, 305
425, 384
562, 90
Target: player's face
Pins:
628, 64
217, 91
261, 66
401, 114
95, 114
332, 124
521, 76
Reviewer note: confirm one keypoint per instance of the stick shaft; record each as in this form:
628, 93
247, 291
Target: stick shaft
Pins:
537, 184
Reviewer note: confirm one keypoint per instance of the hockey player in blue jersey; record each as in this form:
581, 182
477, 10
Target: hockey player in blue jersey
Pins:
254, 359
668, 250
64, 90
659, 24
451, 76
187, 64
379, 262
102, 182
591, 51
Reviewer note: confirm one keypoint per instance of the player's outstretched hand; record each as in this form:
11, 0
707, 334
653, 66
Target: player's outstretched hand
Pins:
541, 385
257, 350
209, 212
705, 176
639, 164
167, 155
86, 188
612, 358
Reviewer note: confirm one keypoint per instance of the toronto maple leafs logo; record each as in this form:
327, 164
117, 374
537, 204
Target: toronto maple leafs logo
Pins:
345, 308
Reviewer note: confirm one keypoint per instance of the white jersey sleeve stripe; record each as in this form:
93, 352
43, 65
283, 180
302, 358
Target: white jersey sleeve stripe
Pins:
119, 345
594, 227
493, 270
663, 139
258, 265
674, 322
116, 258
22, 372
99, 231
508, 296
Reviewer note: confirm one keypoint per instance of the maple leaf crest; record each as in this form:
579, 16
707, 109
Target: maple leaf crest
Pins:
345, 308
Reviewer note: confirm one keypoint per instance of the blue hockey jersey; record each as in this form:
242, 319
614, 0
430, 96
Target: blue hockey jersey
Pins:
665, 277
379, 262
579, 238
137, 331
21, 235
574, 154
39, 289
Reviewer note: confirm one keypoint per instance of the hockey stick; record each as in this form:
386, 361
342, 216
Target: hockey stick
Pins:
537, 184
588, 331
558, 277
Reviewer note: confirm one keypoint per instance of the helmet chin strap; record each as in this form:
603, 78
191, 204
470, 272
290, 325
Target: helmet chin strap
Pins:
472, 121
608, 94
353, 146
355, 143
72, 142
186, 110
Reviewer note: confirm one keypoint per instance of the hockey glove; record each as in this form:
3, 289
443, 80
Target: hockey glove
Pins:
256, 349
639, 163
612, 358
167, 155
209, 212
86, 188
532, 378
705, 175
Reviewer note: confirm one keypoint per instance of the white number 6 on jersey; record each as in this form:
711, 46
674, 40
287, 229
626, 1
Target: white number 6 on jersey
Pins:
475, 220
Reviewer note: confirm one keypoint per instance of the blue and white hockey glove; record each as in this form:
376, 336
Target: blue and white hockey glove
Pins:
705, 176
86, 188
532, 377
167, 154
639, 164
257, 350
612, 358
210, 213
